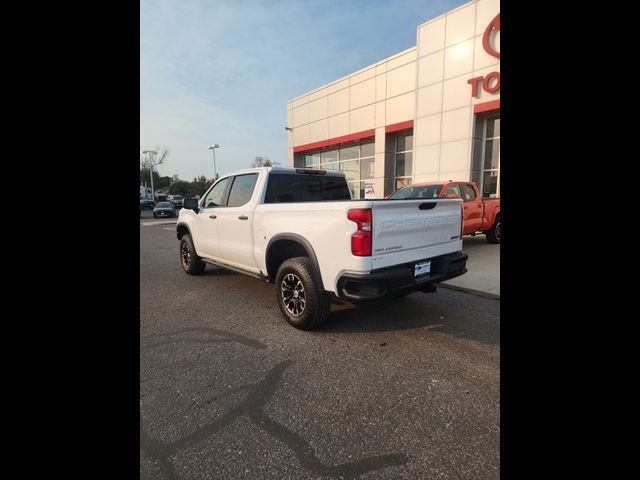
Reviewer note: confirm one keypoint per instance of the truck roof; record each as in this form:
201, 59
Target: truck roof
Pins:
441, 182
283, 170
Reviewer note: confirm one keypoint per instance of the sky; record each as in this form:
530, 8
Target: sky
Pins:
222, 71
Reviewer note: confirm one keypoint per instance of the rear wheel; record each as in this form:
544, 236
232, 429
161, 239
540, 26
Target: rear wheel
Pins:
301, 300
191, 262
493, 234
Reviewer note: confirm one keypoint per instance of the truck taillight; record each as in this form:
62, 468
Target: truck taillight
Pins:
361, 240
461, 220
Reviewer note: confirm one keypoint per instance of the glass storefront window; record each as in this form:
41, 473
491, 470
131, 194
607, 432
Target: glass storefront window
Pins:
404, 143
351, 169
491, 153
490, 183
357, 161
329, 156
404, 159
485, 167
491, 165
404, 164
329, 166
493, 127
312, 160
366, 149
367, 168
349, 153
357, 189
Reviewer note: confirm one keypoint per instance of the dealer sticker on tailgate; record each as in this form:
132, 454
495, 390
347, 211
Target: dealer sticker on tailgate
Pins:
422, 268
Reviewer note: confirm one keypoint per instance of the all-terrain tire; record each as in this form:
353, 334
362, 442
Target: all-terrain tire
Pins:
302, 301
189, 259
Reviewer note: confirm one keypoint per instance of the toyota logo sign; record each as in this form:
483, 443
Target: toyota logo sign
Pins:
486, 38
491, 82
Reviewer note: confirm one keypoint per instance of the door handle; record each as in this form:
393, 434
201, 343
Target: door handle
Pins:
212, 216
479, 205
243, 217
465, 207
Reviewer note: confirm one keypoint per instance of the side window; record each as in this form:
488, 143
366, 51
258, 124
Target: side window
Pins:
452, 190
215, 196
468, 193
242, 190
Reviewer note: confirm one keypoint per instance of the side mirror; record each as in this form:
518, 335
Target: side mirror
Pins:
191, 204
452, 195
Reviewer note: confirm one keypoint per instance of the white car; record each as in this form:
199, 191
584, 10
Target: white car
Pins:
176, 200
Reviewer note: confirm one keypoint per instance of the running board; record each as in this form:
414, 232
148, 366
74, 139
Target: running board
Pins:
235, 269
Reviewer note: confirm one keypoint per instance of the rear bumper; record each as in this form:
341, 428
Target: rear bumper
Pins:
400, 280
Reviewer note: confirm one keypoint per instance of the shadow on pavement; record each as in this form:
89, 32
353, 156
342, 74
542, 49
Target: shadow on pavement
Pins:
410, 313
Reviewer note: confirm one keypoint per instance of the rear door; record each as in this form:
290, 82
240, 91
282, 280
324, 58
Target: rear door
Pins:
410, 230
473, 209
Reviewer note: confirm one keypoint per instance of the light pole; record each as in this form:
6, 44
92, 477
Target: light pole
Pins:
153, 154
213, 147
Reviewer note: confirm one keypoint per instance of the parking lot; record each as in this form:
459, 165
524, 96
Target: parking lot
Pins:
404, 390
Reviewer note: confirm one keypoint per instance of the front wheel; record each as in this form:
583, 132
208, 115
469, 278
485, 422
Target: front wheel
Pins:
301, 300
493, 234
191, 262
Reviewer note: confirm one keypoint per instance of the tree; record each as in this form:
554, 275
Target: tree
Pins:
144, 177
179, 187
261, 162
199, 186
152, 161
163, 182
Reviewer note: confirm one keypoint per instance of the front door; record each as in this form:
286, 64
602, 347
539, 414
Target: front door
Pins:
235, 224
205, 236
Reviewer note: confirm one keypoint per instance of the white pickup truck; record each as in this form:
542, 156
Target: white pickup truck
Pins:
301, 229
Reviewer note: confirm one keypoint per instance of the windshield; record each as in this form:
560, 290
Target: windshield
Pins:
405, 193
164, 205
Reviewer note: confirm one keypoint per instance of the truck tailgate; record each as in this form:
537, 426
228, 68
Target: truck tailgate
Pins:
409, 230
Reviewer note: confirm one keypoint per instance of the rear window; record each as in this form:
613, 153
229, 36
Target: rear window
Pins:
406, 193
285, 188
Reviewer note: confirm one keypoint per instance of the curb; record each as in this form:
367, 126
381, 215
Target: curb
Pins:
161, 222
479, 293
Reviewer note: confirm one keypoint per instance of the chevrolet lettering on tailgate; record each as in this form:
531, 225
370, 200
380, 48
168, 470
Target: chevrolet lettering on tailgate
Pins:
417, 222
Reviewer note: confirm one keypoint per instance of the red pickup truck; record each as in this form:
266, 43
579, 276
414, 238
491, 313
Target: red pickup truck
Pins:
481, 215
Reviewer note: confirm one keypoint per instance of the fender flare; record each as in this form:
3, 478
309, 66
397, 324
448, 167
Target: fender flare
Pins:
182, 224
304, 243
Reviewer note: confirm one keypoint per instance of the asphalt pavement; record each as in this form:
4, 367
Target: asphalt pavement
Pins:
404, 390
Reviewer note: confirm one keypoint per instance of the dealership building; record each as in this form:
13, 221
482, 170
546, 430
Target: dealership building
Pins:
429, 113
